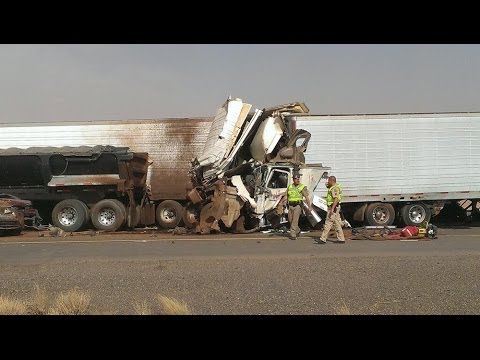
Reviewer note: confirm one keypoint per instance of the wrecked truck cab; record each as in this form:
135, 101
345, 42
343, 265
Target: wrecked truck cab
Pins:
275, 179
245, 168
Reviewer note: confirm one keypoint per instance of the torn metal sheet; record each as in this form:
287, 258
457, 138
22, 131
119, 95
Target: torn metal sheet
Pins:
266, 138
223, 132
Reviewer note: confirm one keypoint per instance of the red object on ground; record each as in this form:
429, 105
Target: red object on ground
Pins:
406, 232
409, 231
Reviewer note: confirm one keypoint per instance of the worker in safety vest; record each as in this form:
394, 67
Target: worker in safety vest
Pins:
334, 198
295, 194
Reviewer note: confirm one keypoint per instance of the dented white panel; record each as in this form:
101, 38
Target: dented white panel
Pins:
223, 132
242, 191
268, 134
225, 163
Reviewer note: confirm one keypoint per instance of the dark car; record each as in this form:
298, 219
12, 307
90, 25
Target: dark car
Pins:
25, 205
16, 214
12, 219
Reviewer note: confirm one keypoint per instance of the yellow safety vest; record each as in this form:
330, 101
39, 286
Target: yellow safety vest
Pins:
295, 193
330, 197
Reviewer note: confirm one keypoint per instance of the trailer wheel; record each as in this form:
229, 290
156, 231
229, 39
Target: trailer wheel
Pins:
380, 214
108, 215
169, 214
87, 217
191, 215
120, 204
70, 215
415, 214
123, 207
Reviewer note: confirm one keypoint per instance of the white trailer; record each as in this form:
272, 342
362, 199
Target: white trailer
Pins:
171, 144
402, 167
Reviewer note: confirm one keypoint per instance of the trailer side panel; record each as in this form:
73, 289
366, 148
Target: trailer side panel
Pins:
398, 157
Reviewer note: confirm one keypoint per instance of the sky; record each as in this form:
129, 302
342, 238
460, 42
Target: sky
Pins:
77, 82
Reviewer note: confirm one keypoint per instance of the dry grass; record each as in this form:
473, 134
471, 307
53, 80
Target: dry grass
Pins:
12, 306
38, 304
77, 302
72, 302
142, 309
343, 309
171, 306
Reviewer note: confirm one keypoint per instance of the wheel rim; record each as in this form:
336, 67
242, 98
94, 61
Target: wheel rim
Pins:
168, 215
68, 216
191, 217
192, 214
416, 214
380, 214
107, 216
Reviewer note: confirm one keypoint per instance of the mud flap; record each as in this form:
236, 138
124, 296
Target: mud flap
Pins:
147, 214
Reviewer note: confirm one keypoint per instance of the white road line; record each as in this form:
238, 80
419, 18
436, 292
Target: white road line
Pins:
133, 240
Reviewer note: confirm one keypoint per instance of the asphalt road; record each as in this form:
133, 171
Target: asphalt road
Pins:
251, 274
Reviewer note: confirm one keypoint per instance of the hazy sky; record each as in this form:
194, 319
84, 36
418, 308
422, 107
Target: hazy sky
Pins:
96, 82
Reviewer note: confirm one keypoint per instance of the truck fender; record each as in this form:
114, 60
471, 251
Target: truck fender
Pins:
359, 214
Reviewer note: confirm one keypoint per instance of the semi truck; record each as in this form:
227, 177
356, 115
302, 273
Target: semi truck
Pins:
398, 168
235, 166
247, 163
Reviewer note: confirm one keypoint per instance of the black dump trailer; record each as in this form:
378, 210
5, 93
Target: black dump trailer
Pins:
75, 187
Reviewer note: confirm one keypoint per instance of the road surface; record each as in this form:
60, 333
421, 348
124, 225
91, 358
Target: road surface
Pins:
252, 273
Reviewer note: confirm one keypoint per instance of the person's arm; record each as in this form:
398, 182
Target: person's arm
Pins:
281, 203
307, 198
335, 200
335, 203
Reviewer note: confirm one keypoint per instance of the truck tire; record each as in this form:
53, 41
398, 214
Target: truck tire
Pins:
191, 215
169, 214
120, 204
380, 214
70, 215
87, 217
108, 215
415, 214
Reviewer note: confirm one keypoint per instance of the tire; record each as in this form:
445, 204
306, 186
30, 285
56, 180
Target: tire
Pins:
380, 214
416, 214
14, 232
169, 214
70, 215
108, 215
124, 209
191, 215
87, 217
